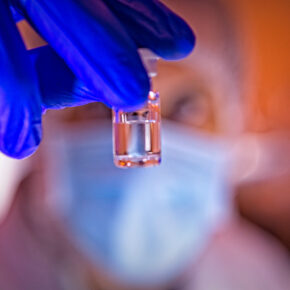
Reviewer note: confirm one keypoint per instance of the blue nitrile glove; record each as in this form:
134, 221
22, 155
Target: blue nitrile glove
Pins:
98, 41
59, 88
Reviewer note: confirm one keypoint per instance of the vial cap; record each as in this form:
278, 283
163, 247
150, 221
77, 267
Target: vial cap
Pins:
149, 60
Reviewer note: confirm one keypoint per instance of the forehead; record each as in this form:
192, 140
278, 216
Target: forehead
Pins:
215, 27
215, 68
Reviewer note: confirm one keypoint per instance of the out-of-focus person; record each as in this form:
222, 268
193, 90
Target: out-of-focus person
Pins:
79, 223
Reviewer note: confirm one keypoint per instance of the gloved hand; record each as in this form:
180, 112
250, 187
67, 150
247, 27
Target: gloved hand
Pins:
98, 41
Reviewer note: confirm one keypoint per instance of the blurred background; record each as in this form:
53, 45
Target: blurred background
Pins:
216, 215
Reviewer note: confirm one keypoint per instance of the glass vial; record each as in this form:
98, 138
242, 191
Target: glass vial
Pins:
136, 135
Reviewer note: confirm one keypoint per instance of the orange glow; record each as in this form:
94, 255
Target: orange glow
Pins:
265, 27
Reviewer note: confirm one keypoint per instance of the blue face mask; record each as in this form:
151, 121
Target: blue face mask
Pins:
143, 225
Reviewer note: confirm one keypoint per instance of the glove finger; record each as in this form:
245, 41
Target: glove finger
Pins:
96, 48
153, 25
16, 15
20, 108
58, 85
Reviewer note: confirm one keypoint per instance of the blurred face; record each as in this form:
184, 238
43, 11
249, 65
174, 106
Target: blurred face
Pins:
202, 92
145, 222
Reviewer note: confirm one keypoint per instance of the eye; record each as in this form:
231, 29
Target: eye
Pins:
192, 109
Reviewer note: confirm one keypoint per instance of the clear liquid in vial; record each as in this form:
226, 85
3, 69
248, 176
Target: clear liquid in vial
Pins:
138, 143
137, 135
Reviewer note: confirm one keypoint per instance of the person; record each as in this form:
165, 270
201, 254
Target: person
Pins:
83, 224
